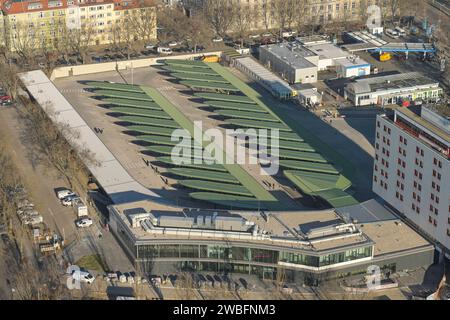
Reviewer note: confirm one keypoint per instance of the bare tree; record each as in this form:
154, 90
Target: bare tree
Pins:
243, 20
24, 40
281, 13
143, 22
220, 14
82, 38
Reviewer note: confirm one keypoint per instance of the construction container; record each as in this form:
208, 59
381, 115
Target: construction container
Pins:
211, 58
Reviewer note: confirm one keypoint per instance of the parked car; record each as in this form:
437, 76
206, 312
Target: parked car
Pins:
68, 201
150, 47
83, 276
5, 100
254, 36
217, 39
84, 223
165, 50
173, 44
62, 193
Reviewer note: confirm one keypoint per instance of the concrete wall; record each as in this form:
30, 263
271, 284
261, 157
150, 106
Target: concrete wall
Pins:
63, 72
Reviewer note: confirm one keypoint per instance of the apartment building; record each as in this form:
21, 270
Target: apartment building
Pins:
42, 23
267, 13
412, 167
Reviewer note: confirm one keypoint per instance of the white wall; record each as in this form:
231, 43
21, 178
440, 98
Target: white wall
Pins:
421, 219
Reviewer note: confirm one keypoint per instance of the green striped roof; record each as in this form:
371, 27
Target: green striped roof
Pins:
132, 103
150, 121
204, 175
311, 182
234, 106
198, 77
247, 123
114, 86
187, 63
180, 69
162, 140
308, 166
300, 155
247, 115
290, 145
162, 131
224, 97
168, 150
212, 167
209, 85
141, 112
215, 187
123, 95
232, 201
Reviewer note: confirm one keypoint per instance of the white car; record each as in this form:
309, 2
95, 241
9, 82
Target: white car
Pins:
61, 194
253, 36
217, 39
83, 276
68, 201
173, 44
150, 47
84, 223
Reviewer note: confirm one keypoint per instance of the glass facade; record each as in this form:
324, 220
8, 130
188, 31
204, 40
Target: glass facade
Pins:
229, 253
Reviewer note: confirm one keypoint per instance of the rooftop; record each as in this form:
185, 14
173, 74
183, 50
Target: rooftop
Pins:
292, 54
314, 231
391, 82
349, 62
327, 50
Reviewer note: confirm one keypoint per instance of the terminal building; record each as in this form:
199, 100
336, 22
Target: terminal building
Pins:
412, 168
308, 246
393, 89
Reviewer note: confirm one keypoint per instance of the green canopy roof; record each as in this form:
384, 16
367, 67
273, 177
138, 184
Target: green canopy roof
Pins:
232, 201
123, 95
162, 131
187, 63
180, 69
215, 187
235, 106
141, 112
337, 198
212, 167
224, 97
204, 175
168, 150
308, 166
132, 103
247, 115
199, 77
114, 86
300, 155
209, 85
247, 123
150, 121
163, 140
291, 145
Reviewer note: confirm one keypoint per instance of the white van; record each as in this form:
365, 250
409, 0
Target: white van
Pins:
401, 32
392, 33
83, 276
61, 194
164, 50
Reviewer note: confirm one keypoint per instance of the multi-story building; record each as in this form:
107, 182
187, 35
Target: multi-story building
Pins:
267, 14
412, 167
32, 24
308, 247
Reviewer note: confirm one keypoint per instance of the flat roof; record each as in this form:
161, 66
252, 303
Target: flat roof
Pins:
366, 212
111, 175
426, 124
391, 82
275, 82
387, 235
352, 62
292, 54
327, 51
